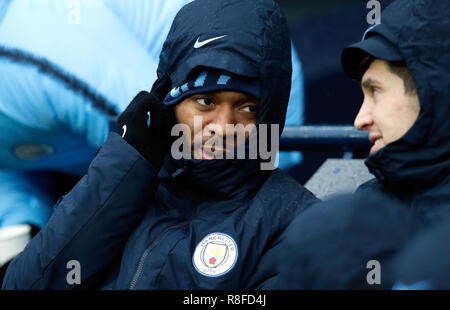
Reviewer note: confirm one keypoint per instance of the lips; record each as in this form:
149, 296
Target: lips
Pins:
206, 156
377, 141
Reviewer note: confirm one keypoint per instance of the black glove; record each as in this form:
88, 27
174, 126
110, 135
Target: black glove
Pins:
153, 142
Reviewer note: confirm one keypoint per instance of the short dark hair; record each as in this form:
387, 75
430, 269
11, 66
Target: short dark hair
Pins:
398, 68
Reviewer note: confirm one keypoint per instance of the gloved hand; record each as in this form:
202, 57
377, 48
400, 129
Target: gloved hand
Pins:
152, 142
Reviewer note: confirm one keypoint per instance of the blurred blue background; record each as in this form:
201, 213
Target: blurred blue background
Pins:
69, 67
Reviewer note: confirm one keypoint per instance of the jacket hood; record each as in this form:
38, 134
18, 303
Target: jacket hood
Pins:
254, 42
420, 30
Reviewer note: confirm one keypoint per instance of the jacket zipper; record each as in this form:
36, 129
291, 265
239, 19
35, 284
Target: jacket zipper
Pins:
149, 250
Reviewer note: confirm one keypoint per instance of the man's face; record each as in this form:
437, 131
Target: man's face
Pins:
387, 112
217, 110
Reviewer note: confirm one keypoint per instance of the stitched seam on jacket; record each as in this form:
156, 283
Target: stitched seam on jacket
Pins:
70, 81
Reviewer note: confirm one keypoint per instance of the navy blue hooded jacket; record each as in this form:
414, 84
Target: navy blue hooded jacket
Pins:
196, 224
329, 246
416, 167
424, 263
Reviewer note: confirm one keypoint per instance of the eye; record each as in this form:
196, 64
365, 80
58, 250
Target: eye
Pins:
204, 101
250, 109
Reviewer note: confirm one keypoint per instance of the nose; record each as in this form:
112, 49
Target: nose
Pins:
364, 117
223, 117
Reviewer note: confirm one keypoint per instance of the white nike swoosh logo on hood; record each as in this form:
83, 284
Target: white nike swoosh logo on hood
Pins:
199, 44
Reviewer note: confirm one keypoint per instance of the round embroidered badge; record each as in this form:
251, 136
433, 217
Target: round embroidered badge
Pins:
215, 255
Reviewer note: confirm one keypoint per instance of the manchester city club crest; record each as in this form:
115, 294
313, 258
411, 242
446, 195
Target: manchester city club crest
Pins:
215, 255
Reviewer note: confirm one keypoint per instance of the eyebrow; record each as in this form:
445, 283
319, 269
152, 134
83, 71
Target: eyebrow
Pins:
248, 98
241, 99
369, 82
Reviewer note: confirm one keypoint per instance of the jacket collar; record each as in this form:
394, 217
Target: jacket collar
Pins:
213, 180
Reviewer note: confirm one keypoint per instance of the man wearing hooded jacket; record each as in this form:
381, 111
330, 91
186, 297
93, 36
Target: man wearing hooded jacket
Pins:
403, 65
142, 219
